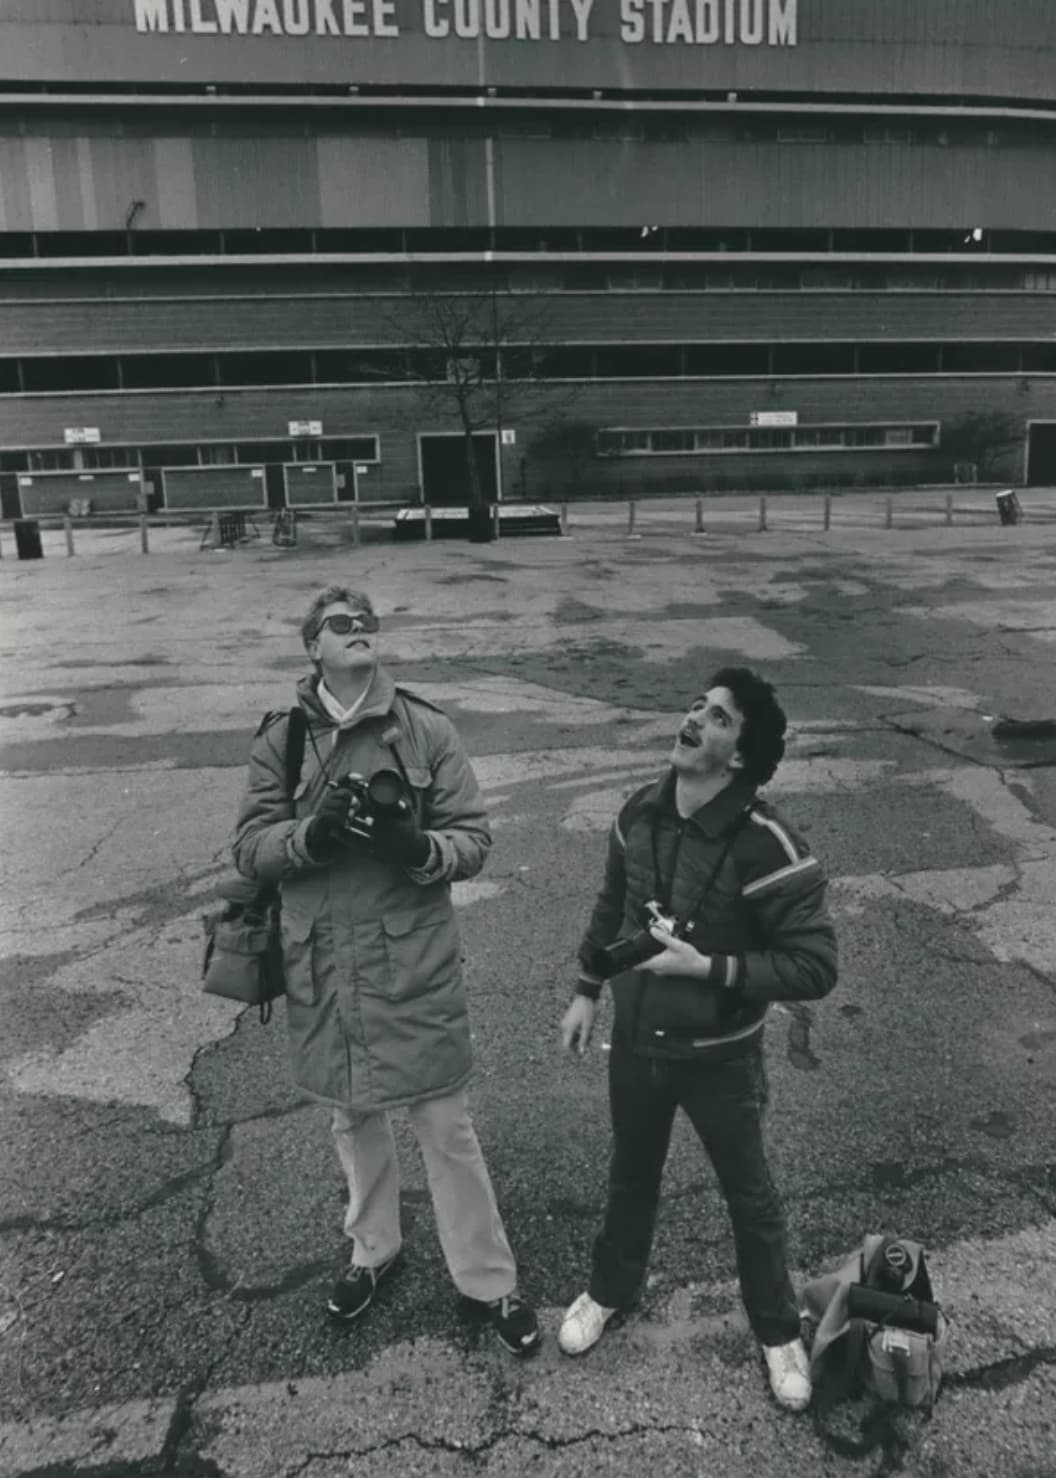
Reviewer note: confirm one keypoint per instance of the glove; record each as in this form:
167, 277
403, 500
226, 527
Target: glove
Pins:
402, 842
325, 835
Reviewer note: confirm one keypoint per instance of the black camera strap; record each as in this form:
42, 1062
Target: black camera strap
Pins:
665, 895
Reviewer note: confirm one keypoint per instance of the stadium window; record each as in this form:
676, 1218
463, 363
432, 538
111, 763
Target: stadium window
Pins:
265, 368
898, 436
898, 359
648, 281
1039, 282
8, 376
100, 458
638, 361
70, 373
257, 452
353, 449
1039, 359
548, 362
813, 359
167, 371
82, 244
268, 242
176, 243
619, 129
672, 441
792, 239
526, 128
52, 459
727, 359
182, 455
733, 440
980, 359
218, 454
818, 436
888, 136
829, 279
698, 238
372, 366
17, 244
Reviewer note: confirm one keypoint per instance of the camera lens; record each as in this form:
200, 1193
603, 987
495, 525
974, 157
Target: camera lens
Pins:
386, 789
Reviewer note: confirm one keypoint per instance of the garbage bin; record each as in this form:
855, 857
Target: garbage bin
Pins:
27, 539
1008, 509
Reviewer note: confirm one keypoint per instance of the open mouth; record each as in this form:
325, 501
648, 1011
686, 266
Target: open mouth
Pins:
689, 738
359, 642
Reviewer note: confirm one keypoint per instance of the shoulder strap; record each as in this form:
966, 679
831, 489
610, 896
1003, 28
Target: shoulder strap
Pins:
295, 736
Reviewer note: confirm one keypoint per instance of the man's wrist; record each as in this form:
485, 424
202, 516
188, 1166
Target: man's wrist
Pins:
589, 986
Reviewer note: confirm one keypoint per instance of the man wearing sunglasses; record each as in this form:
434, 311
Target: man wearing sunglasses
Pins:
387, 814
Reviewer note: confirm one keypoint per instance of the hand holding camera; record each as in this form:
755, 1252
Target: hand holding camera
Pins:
373, 815
658, 933
324, 837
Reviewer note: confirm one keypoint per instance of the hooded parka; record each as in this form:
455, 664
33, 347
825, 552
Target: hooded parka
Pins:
375, 1003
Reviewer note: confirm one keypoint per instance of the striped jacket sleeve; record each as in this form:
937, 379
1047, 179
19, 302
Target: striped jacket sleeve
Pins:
607, 914
792, 954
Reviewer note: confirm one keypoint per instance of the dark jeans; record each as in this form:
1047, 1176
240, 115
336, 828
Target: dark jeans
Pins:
724, 1101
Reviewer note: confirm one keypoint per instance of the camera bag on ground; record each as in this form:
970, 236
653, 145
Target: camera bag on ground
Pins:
243, 944
879, 1328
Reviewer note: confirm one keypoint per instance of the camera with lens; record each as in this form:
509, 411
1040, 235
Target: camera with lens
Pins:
625, 954
382, 798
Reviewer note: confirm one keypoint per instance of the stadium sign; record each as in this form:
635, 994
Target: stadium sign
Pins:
664, 22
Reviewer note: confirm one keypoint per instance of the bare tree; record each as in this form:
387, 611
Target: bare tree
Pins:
982, 437
570, 443
480, 357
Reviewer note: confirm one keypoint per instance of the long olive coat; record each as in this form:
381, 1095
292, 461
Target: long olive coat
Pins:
375, 1003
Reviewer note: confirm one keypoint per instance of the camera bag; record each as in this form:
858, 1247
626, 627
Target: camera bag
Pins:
242, 960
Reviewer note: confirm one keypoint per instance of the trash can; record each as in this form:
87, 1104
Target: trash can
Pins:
27, 539
1008, 509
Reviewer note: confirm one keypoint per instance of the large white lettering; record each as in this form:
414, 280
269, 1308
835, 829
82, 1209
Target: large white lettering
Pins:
782, 22
663, 22
152, 15
632, 21
528, 20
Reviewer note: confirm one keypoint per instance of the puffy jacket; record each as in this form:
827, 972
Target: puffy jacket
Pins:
756, 898
375, 1005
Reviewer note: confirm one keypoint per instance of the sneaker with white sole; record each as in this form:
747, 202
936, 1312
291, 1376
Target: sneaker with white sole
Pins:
789, 1370
583, 1325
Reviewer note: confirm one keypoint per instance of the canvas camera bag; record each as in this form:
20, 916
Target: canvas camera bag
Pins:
242, 960
902, 1364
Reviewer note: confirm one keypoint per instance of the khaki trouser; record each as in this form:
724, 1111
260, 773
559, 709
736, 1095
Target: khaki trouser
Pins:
467, 1218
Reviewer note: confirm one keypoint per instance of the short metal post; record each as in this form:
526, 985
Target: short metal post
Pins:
355, 525
762, 515
428, 522
699, 527
495, 520
631, 514
564, 518
67, 524
949, 510
826, 521
889, 514
144, 539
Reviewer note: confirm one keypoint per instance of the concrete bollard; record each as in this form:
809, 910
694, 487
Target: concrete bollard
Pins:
632, 513
826, 517
762, 515
698, 527
428, 522
495, 521
144, 538
564, 518
889, 514
67, 524
949, 510
355, 525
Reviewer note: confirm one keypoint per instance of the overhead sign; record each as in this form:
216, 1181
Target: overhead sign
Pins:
305, 428
80, 435
665, 22
775, 418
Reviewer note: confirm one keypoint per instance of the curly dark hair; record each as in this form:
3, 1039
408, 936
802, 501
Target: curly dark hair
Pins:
761, 743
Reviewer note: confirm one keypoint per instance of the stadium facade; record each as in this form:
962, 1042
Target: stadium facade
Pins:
700, 244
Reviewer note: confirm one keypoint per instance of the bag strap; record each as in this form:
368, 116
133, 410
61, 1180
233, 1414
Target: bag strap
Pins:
296, 731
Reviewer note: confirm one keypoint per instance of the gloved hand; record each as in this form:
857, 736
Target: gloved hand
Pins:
401, 841
324, 837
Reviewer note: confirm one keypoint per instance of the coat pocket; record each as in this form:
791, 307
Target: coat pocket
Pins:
302, 987
422, 950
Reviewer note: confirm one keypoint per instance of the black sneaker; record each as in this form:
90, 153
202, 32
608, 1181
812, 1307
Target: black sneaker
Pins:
353, 1293
515, 1324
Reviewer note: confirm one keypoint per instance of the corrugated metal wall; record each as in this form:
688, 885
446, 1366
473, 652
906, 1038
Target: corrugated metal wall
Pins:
53, 179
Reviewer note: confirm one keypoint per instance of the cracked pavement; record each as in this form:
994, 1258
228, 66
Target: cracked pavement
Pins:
170, 1215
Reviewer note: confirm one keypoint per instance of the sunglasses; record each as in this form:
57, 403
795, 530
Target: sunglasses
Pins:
342, 624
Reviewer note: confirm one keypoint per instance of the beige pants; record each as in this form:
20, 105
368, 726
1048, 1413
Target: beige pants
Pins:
467, 1218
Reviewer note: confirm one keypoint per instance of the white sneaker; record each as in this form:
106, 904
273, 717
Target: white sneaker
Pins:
583, 1325
789, 1374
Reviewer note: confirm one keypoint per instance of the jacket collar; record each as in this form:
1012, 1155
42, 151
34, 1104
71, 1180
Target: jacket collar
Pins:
715, 816
379, 700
